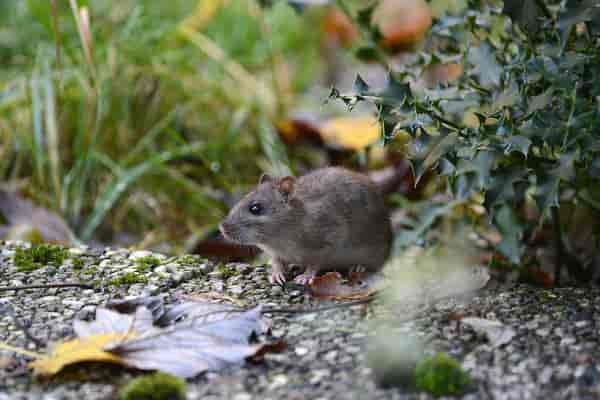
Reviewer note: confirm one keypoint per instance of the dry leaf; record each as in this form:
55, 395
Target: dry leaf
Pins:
496, 332
354, 133
76, 351
210, 337
332, 287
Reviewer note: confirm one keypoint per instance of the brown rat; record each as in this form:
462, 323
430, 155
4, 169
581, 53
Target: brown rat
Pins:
329, 219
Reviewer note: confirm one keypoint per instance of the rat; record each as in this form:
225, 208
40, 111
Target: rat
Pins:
330, 219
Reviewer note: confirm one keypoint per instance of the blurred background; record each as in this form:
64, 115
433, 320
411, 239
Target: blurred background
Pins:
139, 123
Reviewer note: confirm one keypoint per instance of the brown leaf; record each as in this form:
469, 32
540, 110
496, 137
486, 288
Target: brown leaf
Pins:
332, 287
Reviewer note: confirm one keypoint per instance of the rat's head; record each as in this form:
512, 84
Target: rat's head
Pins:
263, 214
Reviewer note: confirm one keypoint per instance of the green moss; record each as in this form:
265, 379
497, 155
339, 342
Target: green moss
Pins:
128, 279
188, 259
157, 386
226, 271
37, 256
441, 375
145, 263
78, 263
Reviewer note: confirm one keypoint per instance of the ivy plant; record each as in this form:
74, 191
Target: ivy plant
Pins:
523, 120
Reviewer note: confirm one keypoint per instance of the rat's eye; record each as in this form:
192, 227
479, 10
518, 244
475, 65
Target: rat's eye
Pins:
255, 208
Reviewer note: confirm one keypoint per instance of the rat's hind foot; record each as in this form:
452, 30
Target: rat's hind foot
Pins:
307, 277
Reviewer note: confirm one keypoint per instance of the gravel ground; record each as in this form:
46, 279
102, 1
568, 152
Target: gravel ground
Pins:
555, 353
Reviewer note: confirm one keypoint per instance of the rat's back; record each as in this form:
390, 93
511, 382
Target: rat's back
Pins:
347, 213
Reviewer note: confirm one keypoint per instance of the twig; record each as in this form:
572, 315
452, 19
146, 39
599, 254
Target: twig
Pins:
49, 286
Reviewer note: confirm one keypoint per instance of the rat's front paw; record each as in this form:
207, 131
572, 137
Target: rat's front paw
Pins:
306, 278
277, 278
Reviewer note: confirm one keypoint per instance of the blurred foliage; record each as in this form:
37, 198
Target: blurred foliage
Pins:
136, 117
521, 124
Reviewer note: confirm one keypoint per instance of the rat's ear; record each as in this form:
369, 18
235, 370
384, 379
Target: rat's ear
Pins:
286, 186
264, 178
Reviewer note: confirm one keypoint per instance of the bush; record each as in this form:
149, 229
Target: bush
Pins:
520, 125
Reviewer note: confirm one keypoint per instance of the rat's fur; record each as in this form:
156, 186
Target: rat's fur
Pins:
329, 219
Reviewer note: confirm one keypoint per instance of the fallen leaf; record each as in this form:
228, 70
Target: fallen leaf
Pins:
192, 347
497, 333
332, 287
76, 351
202, 336
354, 133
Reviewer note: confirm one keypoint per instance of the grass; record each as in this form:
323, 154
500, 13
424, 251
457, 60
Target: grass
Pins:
138, 123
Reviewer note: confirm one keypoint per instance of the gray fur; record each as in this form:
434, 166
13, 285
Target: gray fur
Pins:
334, 219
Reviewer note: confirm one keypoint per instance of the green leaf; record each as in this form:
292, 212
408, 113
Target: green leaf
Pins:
426, 150
360, 86
578, 11
546, 191
502, 187
485, 65
511, 229
481, 166
517, 143
541, 101
525, 13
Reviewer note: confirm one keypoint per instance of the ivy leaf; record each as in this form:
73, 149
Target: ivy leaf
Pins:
502, 188
540, 101
578, 11
396, 92
511, 229
360, 86
485, 65
525, 13
546, 191
426, 150
517, 143
508, 97
481, 166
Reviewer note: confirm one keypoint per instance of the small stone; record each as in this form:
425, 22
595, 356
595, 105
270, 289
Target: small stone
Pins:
276, 290
242, 396
237, 290
278, 381
301, 351
215, 274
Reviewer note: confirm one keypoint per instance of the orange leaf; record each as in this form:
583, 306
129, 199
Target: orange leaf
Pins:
331, 287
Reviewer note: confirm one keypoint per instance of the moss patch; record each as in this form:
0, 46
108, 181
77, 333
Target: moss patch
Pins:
37, 256
128, 279
145, 263
441, 375
78, 263
227, 272
157, 386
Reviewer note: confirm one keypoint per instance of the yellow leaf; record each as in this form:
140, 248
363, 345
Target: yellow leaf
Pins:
78, 350
354, 133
